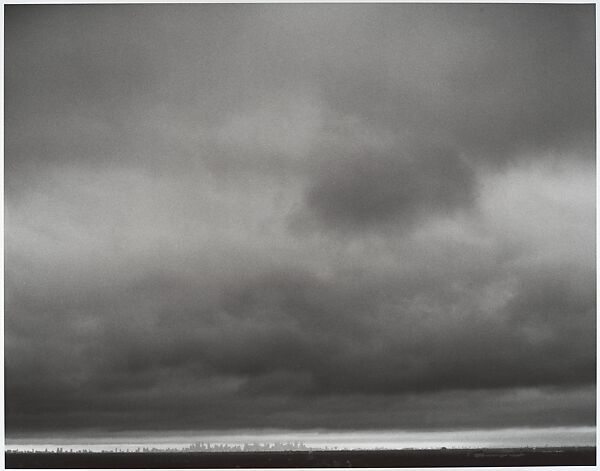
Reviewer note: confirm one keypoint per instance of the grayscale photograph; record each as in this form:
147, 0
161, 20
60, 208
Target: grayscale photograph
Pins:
299, 235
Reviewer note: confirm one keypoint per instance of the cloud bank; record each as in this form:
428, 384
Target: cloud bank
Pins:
299, 216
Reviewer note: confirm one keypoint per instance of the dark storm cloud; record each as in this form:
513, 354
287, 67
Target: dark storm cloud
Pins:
551, 297
67, 94
488, 79
273, 340
492, 79
490, 96
374, 189
343, 216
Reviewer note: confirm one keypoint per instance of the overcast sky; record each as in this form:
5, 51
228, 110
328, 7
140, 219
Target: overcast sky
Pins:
339, 217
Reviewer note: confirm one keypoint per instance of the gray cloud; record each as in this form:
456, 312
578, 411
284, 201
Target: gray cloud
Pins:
291, 336
375, 189
301, 216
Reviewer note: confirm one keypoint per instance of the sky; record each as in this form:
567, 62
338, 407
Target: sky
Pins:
300, 217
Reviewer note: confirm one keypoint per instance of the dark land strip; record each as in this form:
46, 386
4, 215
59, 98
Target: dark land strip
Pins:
579, 456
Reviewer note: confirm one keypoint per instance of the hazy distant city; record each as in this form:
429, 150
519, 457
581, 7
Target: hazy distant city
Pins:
195, 447
293, 454
207, 447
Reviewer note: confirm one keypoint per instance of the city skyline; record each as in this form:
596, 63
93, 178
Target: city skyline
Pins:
324, 440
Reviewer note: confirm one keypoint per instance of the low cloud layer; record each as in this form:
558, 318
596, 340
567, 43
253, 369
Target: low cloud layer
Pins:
299, 216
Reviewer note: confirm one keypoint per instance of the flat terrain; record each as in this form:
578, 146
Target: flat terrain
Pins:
305, 459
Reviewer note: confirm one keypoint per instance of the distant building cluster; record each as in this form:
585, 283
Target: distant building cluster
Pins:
276, 446
57, 450
205, 447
